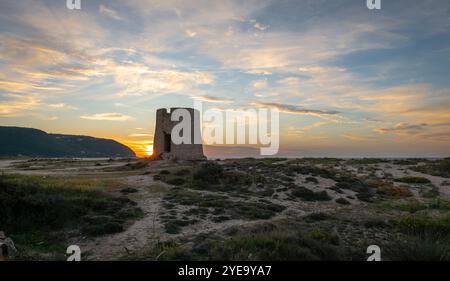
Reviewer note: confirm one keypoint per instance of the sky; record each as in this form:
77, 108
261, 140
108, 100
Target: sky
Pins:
348, 81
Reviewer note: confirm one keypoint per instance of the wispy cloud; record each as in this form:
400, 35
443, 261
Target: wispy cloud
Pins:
295, 109
260, 26
109, 12
61, 106
259, 84
112, 116
17, 105
212, 99
404, 127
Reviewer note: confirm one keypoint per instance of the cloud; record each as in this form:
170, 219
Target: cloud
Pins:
438, 136
259, 84
112, 116
295, 109
190, 33
16, 105
290, 82
266, 94
260, 26
357, 137
137, 79
435, 131
110, 13
61, 106
212, 99
404, 127
119, 104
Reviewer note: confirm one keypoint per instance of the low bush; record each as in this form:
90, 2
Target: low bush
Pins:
413, 180
309, 195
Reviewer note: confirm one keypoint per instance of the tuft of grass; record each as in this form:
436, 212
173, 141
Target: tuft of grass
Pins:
273, 245
366, 161
208, 173
174, 226
318, 217
391, 191
324, 236
309, 195
342, 201
413, 180
182, 172
176, 181
167, 251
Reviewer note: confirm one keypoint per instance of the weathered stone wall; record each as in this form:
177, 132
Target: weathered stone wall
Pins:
164, 148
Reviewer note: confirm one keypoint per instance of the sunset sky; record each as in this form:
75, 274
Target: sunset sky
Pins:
348, 81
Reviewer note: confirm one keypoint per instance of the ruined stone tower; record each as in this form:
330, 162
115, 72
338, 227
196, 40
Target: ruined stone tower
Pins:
163, 145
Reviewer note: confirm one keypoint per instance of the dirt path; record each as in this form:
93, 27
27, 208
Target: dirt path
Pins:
137, 237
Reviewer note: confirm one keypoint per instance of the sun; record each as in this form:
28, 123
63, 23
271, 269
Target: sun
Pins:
149, 149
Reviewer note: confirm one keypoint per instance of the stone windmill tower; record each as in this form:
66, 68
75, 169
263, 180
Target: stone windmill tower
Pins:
163, 145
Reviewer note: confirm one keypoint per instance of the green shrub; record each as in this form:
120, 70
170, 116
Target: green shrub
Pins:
208, 173
376, 223
309, 195
182, 172
129, 190
391, 191
366, 161
324, 236
318, 217
342, 201
417, 180
176, 181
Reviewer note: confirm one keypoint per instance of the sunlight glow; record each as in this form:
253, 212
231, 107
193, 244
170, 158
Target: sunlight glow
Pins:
149, 149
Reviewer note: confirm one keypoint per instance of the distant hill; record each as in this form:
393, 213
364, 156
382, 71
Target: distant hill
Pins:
16, 141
